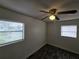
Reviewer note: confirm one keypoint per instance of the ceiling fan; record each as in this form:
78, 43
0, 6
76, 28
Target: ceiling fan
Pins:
52, 13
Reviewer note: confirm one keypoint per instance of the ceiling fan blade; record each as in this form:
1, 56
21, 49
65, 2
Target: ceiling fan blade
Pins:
68, 12
44, 18
57, 17
44, 11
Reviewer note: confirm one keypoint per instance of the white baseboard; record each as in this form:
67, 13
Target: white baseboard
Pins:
63, 48
36, 49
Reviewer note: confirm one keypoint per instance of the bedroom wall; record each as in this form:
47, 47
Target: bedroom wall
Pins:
54, 37
35, 35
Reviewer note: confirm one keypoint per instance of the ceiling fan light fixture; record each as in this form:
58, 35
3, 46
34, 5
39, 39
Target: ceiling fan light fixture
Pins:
52, 17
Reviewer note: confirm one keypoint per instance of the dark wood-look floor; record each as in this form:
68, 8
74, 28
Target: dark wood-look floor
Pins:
51, 52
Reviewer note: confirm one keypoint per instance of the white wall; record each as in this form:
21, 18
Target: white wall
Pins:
54, 37
35, 35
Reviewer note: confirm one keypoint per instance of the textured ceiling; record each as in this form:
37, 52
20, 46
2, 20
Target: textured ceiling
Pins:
32, 7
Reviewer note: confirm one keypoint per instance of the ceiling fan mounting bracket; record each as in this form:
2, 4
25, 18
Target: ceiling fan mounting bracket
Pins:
52, 11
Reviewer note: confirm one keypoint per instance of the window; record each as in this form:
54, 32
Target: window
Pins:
11, 32
69, 31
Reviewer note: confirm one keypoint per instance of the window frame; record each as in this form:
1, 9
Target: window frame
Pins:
69, 31
15, 41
